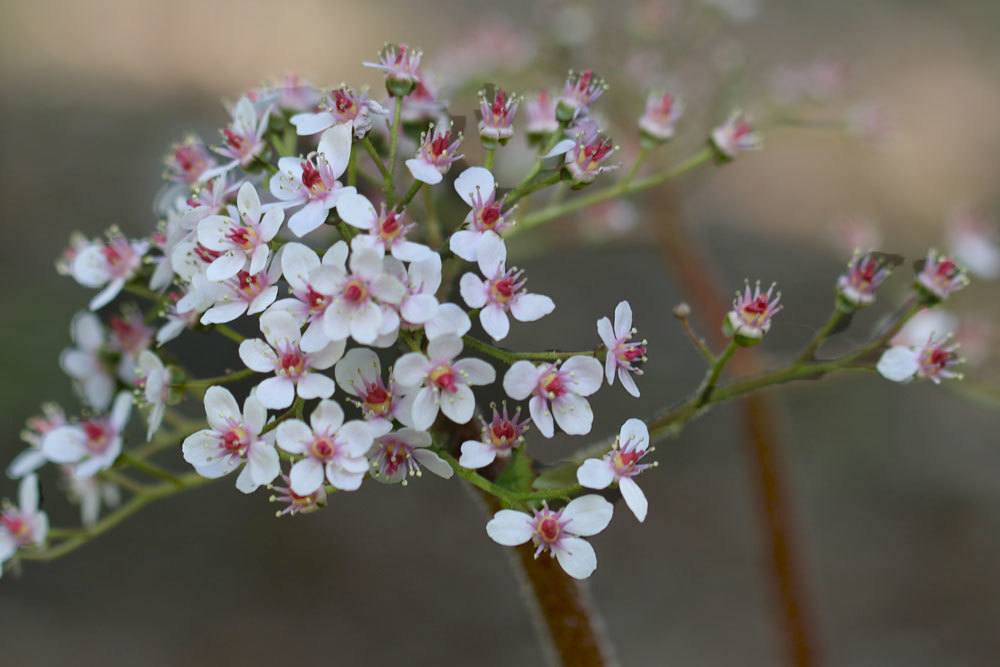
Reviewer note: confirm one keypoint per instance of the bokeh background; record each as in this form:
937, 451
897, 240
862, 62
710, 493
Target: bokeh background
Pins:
894, 491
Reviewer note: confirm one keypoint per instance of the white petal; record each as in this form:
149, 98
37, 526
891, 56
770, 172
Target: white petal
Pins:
560, 148
297, 261
225, 266
628, 382
327, 356
491, 255
276, 393
262, 460
359, 368
595, 474
254, 414
411, 369
423, 171
899, 364
27, 494
476, 455
306, 476
634, 497
433, 463
444, 348
221, 408
473, 290
258, 355
315, 385
464, 243
365, 323
475, 371
419, 308
335, 146
308, 218
634, 434
358, 437
472, 179
294, 436
495, 321
531, 307
509, 528
312, 123
576, 557
458, 406
584, 375
541, 416
280, 328
425, 409
327, 417
448, 320
356, 210
408, 251
587, 515
573, 414
623, 319
606, 333
520, 380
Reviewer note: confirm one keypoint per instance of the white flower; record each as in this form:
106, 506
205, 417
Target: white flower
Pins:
109, 265
438, 149
90, 493
620, 465
343, 105
155, 380
502, 291
330, 448
244, 138
421, 281
86, 363
359, 374
557, 532
313, 284
934, 361
735, 136
33, 458
294, 369
241, 237
92, 445
624, 357
233, 438
399, 455
24, 525
499, 438
556, 390
354, 311
477, 188
312, 184
244, 294
386, 230
443, 382
448, 320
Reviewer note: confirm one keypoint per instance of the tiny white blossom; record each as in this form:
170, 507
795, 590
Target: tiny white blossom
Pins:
624, 357
86, 363
92, 445
386, 230
556, 390
24, 525
329, 447
241, 236
620, 465
155, 381
109, 265
401, 454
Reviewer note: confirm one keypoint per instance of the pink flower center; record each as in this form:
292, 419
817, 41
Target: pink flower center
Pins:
342, 101
440, 143
390, 227
98, 436
235, 141
503, 290
16, 525
311, 177
235, 441
741, 130
549, 529
316, 301
377, 399
293, 364
113, 255
248, 284
355, 292
244, 237
322, 448
553, 385
206, 255
443, 377
490, 216
395, 455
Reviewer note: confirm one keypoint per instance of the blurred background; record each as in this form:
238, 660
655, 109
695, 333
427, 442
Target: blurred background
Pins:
880, 124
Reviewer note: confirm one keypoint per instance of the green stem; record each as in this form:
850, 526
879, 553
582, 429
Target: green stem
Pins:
488, 161
526, 189
229, 332
509, 357
388, 186
150, 469
376, 158
705, 393
639, 161
824, 332
512, 498
434, 234
220, 379
410, 194
352, 166
620, 189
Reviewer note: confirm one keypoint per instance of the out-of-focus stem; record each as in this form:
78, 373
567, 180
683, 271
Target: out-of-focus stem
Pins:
388, 186
824, 332
509, 357
376, 158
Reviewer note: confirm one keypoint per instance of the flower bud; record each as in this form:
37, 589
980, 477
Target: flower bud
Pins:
751, 315
580, 91
865, 273
541, 117
496, 118
735, 136
939, 277
657, 123
401, 66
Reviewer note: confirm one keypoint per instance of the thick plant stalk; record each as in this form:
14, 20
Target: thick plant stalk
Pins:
684, 259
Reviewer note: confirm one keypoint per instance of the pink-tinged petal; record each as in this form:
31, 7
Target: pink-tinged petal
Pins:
899, 364
411, 369
573, 414
353, 465
560, 148
27, 494
509, 528
475, 371
628, 382
464, 244
576, 557
342, 479
271, 223
248, 202
225, 266
306, 476
476, 455
315, 385
201, 450
79, 365
423, 172
312, 123
358, 368
623, 319
87, 332
587, 515
297, 261
258, 260
294, 436
108, 294
634, 497
263, 300
584, 375
448, 320
213, 232
387, 289
425, 409
495, 321
286, 185
408, 251
473, 179
315, 339
595, 474
473, 291
65, 444
520, 380
308, 218
365, 322
328, 356
276, 393
121, 411
403, 412
444, 348
258, 356
27, 461
458, 406
280, 328
425, 275
541, 416
336, 322
262, 460
491, 255
357, 211
335, 147
327, 417
531, 307
433, 463
610, 366
254, 414
224, 312
357, 437
419, 308
635, 435
221, 408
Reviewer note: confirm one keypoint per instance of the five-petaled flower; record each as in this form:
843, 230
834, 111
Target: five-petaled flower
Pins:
558, 390
233, 438
359, 374
24, 525
354, 311
436, 154
625, 357
342, 106
580, 91
243, 139
241, 237
109, 265
557, 531
620, 465
293, 502
329, 448
658, 122
92, 445
496, 117
401, 65
935, 361
501, 292
477, 188
586, 159
87, 363
441, 382
401, 454
294, 371
386, 230
500, 436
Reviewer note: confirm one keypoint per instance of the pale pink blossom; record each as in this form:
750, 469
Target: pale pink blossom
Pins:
557, 531
244, 294
87, 363
540, 112
940, 277
33, 458
355, 311
625, 357
359, 374
24, 525
500, 437
751, 315
92, 445
108, 265
313, 284
477, 188
402, 454
497, 117
865, 274
658, 122
620, 465
420, 282
441, 382
295, 371
244, 138
934, 360
295, 503
232, 439
587, 158
241, 237
386, 230
735, 136
187, 161
329, 448
154, 381
502, 291
437, 151
580, 91
90, 493
343, 105
401, 66
557, 390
